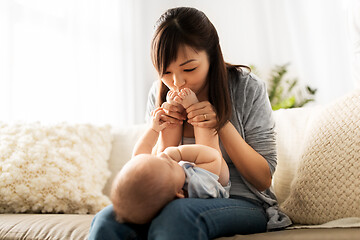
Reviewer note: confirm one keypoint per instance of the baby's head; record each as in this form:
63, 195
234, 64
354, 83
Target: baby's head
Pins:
144, 186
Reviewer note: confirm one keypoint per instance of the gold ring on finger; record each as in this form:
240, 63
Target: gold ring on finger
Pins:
204, 116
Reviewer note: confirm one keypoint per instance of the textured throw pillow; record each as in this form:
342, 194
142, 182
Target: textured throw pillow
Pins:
53, 169
290, 128
327, 184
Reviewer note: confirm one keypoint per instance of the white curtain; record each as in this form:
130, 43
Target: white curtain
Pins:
89, 60
310, 35
354, 40
70, 60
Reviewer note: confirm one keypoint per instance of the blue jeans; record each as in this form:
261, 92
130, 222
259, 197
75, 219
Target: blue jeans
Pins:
187, 218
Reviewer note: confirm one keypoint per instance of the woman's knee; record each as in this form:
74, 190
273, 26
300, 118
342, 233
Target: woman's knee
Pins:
104, 226
98, 225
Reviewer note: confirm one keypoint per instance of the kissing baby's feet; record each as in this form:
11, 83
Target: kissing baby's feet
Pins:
186, 97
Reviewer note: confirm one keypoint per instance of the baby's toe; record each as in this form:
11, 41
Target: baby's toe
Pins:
182, 95
188, 91
178, 99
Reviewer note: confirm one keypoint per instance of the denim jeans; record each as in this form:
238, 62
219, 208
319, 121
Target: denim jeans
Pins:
188, 218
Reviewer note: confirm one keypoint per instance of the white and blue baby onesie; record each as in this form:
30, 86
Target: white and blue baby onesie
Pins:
200, 183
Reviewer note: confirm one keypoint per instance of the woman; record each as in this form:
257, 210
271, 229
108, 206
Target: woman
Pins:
186, 53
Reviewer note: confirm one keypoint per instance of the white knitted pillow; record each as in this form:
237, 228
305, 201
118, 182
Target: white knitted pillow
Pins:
53, 169
290, 128
327, 183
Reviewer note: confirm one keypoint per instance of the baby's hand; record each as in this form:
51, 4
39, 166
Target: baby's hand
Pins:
186, 97
156, 123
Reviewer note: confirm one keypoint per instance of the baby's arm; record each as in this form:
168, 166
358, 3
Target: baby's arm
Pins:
203, 156
147, 141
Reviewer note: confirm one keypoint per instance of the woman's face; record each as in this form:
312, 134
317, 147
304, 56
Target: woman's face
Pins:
189, 70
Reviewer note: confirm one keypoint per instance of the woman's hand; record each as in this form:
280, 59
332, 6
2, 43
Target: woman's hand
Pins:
202, 114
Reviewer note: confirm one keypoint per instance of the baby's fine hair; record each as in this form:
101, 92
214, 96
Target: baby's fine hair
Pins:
138, 194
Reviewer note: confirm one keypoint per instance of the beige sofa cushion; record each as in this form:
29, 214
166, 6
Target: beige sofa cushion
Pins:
45, 226
76, 227
303, 234
326, 185
59, 168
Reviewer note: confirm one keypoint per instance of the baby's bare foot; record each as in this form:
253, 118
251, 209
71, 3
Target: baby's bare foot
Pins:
170, 97
186, 97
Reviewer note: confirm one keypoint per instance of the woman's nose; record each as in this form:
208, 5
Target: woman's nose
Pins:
179, 81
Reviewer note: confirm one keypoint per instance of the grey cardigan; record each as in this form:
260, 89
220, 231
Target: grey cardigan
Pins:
252, 117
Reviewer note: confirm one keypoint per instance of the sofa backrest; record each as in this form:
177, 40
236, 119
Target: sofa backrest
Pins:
124, 140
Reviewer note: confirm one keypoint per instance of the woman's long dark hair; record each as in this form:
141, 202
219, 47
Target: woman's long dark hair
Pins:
188, 26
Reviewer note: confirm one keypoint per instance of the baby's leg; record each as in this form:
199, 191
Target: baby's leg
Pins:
204, 136
207, 136
210, 138
186, 97
171, 135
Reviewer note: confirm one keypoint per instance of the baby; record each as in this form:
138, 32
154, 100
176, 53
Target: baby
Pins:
148, 182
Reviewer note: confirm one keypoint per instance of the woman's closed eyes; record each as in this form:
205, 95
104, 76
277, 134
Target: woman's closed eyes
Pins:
189, 70
185, 70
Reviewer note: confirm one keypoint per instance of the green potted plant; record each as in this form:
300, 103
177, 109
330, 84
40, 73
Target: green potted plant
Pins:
286, 93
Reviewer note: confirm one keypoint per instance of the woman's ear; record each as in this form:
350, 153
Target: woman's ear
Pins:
180, 194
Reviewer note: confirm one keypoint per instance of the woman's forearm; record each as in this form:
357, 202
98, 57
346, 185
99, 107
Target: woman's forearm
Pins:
252, 166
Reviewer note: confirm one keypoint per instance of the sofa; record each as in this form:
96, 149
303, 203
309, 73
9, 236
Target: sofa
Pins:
298, 133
